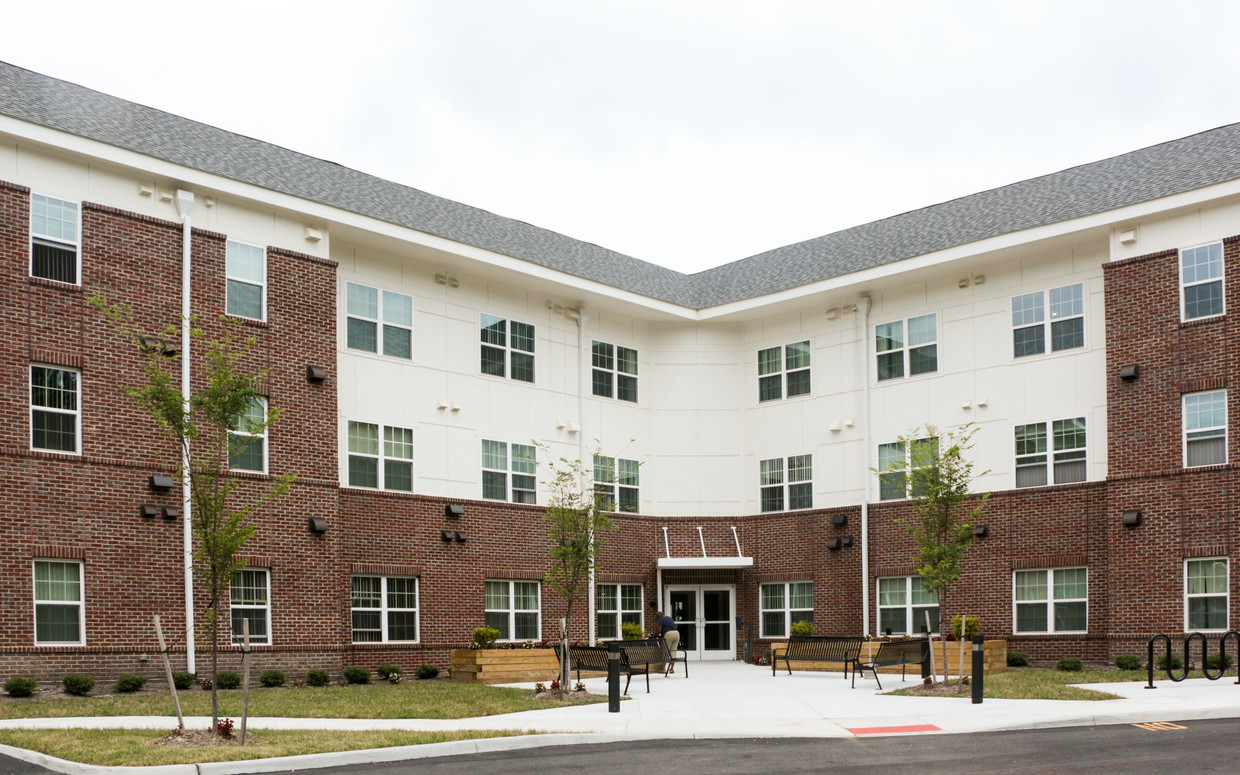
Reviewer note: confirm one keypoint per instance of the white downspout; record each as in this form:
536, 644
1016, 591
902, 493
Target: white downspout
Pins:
184, 200
583, 375
863, 306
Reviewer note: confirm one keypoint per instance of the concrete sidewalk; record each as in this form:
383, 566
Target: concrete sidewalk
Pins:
718, 700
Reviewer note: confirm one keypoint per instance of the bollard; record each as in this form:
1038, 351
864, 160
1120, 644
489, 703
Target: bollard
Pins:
613, 677
979, 667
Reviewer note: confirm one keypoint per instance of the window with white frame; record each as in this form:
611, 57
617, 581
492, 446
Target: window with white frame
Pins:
53, 239
616, 483
500, 469
896, 463
246, 270
1201, 282
1051, 600
1205, 428
903, 604
512, 607
380, 456
1050, 454
250, 598
378, 321
1034, 331
616, 605
507, 348
1205, 594
247, 443
385, 609
783, 605
55, 411
784, 371
787, 487
59, 615
615, 371
907, 347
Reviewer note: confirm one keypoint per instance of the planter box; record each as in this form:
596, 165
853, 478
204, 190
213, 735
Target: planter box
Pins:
994, 657
504, 666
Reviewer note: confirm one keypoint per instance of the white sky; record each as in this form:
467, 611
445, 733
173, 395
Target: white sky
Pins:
689, 134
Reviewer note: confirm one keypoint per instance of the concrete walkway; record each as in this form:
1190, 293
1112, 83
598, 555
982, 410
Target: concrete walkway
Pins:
718, 700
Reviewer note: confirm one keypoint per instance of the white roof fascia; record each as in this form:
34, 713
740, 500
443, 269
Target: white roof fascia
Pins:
713, 563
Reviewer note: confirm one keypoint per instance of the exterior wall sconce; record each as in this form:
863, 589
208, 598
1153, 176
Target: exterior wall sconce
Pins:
846, 541
459, 536
1131, 518
160, 482
170, 512
454, 511
834, 544
981, 531
1129, 371
316, 524
446, 536
839, 520
148, 510
162, 346
315, 373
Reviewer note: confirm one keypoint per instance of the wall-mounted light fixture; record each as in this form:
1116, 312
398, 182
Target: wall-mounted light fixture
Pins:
834, 544
446, 536
161, 482
147, 510
156, 345
315, 373
846, 541
981, 531
170, 512
454, 511
839, 520
1131, 518
1129, 371
458, 536
316, 524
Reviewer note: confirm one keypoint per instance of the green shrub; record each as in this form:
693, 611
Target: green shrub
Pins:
427, 670
317, 678
1175, 662
1018, 659
1069, 665
631, 631
182, 680
130, 683
227, 679
485, 637
971, 626
20, 686
1127, 662
1218, 662
802, 629
357, 675
387, 671
272, 678
79, 684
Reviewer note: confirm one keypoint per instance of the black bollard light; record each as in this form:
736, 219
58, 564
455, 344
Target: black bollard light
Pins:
979, 667
613, 677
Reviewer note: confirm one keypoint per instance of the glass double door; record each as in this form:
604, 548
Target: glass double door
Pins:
704, 616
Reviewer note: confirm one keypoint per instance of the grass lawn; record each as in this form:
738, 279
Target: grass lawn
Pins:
1027, 683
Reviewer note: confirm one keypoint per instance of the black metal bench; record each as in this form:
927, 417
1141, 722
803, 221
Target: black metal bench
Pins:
670, 658
892, 653
820, 648
596, 658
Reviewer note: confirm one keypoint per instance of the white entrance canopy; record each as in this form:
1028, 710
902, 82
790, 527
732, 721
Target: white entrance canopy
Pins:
705, 563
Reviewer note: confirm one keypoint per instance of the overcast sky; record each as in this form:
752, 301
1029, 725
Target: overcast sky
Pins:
689, 134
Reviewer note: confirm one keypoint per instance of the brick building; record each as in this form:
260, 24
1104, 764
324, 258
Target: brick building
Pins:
418, 349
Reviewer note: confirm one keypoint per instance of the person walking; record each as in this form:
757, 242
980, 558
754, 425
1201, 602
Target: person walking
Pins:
669, 633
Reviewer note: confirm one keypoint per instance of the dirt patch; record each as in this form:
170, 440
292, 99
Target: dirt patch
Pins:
559, 695
201, 737
939, 689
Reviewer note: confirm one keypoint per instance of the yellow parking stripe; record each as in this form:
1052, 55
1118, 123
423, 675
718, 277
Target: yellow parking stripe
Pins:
1159, 726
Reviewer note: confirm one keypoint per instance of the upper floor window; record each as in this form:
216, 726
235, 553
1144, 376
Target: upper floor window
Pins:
246, 270
250, 598
497, 476
791, 485
1061, 451
1051, 600
1201, 281
507, 348
53, 239
1205, 594
513, 608
896, 460
59, 615
615, 371
1205, 428
616, 483
783, 605
904, 602
247, 443
370, 311
1063, 327
784, 371
54, 409
616, 605
907, 348
383, 461
385, 609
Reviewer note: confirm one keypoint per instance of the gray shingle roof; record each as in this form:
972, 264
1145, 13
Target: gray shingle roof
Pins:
1161, 170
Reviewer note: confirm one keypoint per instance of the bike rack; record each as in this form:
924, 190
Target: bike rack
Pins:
1188, 640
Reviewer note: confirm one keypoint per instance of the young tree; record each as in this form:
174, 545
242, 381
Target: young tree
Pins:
205, 429
938, 475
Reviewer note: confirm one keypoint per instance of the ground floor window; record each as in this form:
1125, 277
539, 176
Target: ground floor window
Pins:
1205, 594
250, 598
512, 607
903, 603
1051, 600
783, 605
385, 609
616, 605
58, 612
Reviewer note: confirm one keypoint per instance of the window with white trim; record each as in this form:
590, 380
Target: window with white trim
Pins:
54, 229
250, 598
1059, 455
896, 462
379, 322
907, 347
380, 456
783, 605
1201, 282
616, 605
903, 602
784, 371
499, 470
615, 371
1051, 600
507, 348
246, 276
1205, 428
1206, 599
59, 614
1063, 328
247, 443
512, 607
55, 411
616, 483
385, 609
787, 487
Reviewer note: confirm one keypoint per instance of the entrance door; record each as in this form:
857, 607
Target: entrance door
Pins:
704, 616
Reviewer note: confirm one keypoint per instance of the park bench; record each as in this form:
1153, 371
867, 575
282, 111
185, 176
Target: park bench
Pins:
821, 648
653, 651
596, 658
890, 654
